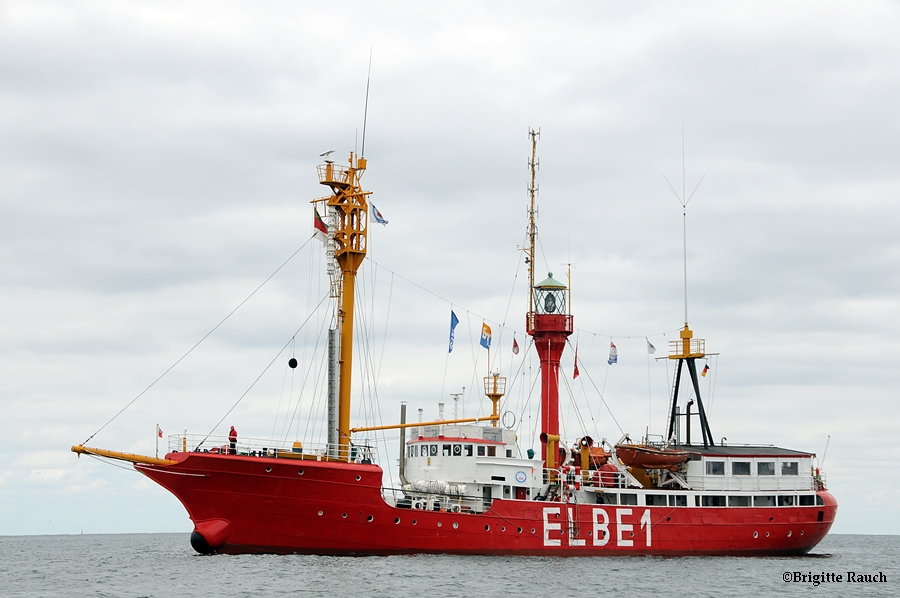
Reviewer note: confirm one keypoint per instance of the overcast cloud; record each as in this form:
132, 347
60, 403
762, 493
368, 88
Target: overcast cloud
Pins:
158, 159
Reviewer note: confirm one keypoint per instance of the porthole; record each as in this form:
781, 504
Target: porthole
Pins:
801, 532
344, 515
320, 513
440, 524
455, 525
767, 534
503, 528
755, 534
487, 528
790, 533
414, 522
520, 530
268, 469
532, 530
369, 518
358, 478
397, 521
771, 519
299, 472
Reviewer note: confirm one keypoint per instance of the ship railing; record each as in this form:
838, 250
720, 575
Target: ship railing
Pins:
697, 347
333, 173
593, 478
752, 484
262, 447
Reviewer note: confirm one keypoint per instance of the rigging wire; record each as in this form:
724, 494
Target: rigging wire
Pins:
285, 430
290, 371
600, 394
227, 413
171, 367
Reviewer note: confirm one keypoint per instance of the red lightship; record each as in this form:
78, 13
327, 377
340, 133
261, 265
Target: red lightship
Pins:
466, 486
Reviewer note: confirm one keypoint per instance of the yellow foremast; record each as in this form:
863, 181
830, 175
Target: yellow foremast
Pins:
350, 211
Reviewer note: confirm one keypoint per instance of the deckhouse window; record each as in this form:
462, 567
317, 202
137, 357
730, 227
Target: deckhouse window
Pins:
509, 453
678, 500
765, 468
481, 450
432, 450
763, 501
467, 449
740, 468
412, 451
656, 500
492, 451
789, 468
446, 450
715, 468
457, 450
713, 501
739, 501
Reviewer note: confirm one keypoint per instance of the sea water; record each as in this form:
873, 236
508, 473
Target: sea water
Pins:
164, 565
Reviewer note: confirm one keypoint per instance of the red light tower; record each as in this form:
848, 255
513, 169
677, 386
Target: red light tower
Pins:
549, 325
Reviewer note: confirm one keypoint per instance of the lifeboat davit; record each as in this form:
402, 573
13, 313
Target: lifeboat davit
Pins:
649, 457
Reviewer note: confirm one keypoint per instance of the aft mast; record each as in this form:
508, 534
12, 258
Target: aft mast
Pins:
687, 349
549, 324
349, 208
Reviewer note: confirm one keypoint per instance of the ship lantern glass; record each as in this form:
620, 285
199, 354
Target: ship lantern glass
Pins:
550, 296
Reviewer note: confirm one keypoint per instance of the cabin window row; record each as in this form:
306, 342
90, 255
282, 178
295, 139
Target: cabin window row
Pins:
454, 450
680, 500
791, 500
741, 468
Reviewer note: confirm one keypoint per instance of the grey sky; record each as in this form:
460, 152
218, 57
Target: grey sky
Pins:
157, 161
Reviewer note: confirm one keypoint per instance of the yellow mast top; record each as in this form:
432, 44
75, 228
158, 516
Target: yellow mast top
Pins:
350, 211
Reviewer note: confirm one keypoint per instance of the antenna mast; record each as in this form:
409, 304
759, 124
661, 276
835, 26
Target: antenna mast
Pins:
533, 164
362, 154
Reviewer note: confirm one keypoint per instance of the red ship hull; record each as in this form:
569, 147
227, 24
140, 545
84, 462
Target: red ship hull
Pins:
257, 504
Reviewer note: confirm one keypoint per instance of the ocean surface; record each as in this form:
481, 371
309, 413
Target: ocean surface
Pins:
164, 565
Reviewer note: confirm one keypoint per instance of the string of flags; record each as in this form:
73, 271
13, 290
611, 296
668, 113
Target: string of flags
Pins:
487, 335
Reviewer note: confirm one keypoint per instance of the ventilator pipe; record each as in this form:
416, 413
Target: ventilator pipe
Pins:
550, 440
585, 443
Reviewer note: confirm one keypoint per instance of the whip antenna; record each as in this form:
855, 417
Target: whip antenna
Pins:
366, 109
684, 199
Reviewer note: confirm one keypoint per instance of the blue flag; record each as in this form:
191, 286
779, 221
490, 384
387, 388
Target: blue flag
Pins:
485, 336
453, 322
